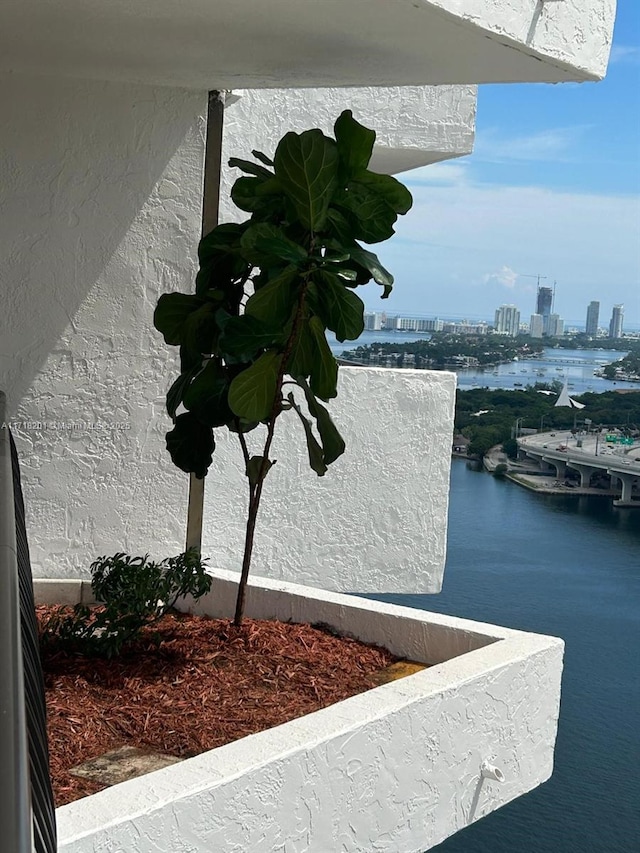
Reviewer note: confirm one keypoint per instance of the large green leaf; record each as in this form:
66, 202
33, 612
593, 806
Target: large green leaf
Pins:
255, 194
172, 312
191, 445
314, 449
265, 244
254, 468
252, 392
222, 239
333, 445
200, 331
274, 302
207, 395
262, 157
370, 261
306, 166
176, 393
324, 377
340, 309
369, 215
389, 188
355, 144
221, 261
301, 358
250, 168
245, 336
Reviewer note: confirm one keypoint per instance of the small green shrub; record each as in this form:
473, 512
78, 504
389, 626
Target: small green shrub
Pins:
500, 469
134, 592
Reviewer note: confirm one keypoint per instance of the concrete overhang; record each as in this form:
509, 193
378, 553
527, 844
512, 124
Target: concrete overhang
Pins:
415, 125
230, 44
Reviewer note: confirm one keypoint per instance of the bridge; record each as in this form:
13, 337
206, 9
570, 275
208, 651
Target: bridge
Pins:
588, 454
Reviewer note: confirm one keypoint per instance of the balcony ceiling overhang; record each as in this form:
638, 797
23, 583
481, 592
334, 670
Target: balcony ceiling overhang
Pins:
231, 44
415, 125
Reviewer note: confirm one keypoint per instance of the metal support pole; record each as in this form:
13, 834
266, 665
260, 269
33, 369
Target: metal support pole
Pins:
210, 210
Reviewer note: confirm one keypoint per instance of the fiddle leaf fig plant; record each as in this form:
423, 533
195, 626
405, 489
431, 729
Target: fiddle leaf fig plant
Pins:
252, 337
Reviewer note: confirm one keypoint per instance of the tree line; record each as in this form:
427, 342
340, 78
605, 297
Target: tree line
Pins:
490, 417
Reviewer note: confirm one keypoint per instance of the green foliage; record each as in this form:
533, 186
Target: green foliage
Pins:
134, 592
443, 350
500, 469
501, 408
299, 252
267, 291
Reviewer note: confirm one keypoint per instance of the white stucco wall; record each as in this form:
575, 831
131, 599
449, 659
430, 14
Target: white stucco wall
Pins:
102, 215
377, 520
393, 770
101, 211
234, 44
415, 125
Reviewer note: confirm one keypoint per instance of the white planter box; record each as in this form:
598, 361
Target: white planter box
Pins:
396, 769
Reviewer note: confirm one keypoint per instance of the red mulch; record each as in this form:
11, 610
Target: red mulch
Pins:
203, 684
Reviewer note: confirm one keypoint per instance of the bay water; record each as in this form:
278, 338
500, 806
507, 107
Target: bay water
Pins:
575, 366
569, 566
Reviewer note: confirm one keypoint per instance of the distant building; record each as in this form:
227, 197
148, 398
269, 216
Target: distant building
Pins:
391, 323
434, 325
536, 326
555, 326
593, 316
372, 321
615, 324
544, 303
507, 321
418, 324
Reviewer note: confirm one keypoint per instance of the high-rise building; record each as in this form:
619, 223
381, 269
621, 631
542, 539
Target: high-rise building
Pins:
555, 326
593, 315
372, 321
544, 303
535, 326
507, 321
617, 318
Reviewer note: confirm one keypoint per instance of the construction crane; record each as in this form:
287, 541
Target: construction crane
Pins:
538, 277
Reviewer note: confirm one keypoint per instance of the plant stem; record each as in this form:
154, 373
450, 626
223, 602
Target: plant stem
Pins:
255, 491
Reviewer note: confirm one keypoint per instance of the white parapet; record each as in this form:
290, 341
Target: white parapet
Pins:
377, 520
234, 44
394, 770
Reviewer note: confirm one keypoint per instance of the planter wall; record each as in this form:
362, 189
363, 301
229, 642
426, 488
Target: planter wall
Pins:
394, 770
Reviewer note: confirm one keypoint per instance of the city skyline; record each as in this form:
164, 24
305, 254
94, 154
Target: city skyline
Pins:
559, 324
552, 188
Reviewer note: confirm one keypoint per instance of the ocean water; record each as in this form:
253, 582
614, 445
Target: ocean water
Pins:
567, 566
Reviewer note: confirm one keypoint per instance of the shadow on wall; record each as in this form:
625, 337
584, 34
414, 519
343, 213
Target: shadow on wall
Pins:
80, 161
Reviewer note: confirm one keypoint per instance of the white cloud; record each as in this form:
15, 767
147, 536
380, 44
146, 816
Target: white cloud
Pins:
504, 276
455, 234
625, 53
554, 144
443, 174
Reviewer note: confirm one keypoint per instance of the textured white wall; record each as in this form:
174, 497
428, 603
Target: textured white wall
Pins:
100, 212
393, 770
377, 520
102, 215
415, 125
252, 44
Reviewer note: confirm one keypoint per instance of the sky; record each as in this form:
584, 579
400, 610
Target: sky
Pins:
551, 189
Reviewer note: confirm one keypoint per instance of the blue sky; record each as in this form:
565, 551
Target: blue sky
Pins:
553, 187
